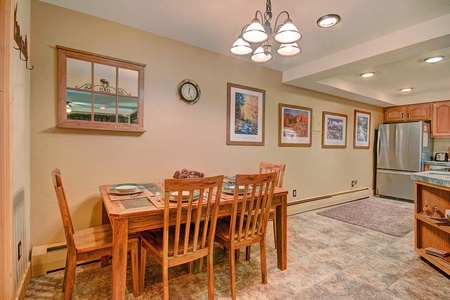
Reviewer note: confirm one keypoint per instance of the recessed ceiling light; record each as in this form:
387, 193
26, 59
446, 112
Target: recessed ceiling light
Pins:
406, 90
367, 74
328, 20
434, 59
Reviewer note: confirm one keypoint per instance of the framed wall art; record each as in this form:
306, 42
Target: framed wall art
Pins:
361, 131
334, 133
245, 115
294, 125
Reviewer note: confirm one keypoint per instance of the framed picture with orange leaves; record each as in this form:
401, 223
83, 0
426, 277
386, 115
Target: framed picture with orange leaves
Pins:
245, 115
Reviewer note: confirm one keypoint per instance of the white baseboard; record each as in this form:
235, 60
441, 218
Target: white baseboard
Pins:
308, 204
50, 257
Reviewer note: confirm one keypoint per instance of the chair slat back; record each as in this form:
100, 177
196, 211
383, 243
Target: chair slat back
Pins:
191, 211
250, 216
63, 207
265, 167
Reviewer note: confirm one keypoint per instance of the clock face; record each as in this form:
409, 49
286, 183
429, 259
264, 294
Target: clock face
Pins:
188, 91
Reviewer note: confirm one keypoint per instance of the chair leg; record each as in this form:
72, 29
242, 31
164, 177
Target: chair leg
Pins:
165, 276
248, 251
69, 276
190, 267
263, 260
142, 264
135, 270
274, 223
210, 271
231, 254
65, 274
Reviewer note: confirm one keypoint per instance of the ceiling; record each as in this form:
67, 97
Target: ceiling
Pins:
391, 38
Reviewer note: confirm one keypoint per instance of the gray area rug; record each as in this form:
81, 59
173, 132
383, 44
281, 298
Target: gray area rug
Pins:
382, 217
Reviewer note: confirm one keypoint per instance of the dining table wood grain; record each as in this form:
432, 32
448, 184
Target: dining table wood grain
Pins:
138, 214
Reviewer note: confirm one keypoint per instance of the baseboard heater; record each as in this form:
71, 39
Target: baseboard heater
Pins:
50, 257
302, 205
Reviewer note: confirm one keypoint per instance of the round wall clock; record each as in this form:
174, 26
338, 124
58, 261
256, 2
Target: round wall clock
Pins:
188, 91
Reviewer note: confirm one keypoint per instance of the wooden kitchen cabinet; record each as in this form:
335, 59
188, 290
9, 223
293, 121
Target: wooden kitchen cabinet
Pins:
427, 231
419, 112
440, 123
395, 114
414, 112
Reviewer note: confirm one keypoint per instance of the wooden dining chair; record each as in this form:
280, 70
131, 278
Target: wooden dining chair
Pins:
266, 167
87, 244
248, 222
190, 215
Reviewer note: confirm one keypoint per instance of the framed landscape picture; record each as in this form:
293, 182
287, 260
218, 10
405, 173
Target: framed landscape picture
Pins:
294, 126
334, 133
245, 115
361, 132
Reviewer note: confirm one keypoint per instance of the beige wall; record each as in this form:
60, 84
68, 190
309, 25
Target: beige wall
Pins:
178, 136
20, 105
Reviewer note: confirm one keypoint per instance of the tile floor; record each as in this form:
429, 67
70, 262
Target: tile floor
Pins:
327, 259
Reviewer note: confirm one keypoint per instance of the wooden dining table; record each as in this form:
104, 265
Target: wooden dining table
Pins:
146, 211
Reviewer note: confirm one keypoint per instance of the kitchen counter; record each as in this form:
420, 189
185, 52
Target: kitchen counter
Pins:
433, 177
437, 163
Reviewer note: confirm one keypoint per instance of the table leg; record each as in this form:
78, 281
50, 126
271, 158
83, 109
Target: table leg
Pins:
105, 220
281, 228
119, 257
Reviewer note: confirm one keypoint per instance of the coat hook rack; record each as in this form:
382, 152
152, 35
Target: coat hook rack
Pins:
21, 43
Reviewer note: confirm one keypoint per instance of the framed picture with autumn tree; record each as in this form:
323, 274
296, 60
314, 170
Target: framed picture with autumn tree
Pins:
361, 132
245, 115
294, 126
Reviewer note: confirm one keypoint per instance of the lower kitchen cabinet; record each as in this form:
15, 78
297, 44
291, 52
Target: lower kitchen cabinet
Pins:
428, 231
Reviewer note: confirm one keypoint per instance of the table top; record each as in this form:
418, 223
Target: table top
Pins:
147, 203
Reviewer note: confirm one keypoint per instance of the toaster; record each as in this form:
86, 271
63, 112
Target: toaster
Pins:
441, 156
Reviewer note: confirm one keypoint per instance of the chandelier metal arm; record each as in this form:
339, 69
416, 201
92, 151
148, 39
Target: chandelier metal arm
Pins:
276, 20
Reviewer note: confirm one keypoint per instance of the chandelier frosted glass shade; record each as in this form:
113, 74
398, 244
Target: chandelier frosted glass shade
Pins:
241, 47
289, 49
287, 33
255, 32
262, 54
260, 35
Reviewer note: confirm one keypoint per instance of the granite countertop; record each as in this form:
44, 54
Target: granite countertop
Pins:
437, 163
433, 177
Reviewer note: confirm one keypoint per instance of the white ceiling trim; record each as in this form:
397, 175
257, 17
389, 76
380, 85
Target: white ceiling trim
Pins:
321, 74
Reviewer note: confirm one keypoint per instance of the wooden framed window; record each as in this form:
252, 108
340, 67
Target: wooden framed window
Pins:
99, 92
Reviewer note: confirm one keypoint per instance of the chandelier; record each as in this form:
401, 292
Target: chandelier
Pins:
259, 34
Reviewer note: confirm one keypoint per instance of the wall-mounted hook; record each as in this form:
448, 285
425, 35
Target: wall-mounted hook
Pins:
21, 43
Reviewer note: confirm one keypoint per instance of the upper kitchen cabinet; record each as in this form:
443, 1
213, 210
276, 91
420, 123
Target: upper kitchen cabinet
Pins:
99, 92
395, 114
414, 112
440, 124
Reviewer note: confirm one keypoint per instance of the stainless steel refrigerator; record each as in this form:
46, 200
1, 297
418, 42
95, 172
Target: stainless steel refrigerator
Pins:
401, 150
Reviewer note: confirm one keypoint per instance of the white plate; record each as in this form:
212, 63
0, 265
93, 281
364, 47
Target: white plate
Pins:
126, 189
185, 197
230, 188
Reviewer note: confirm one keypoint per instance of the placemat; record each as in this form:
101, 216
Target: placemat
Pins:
145, 193
137, 202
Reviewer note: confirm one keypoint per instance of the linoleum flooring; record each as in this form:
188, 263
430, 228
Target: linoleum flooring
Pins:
327, 259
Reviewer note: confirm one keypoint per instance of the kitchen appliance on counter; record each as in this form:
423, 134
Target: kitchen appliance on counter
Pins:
441, 156
401, 150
